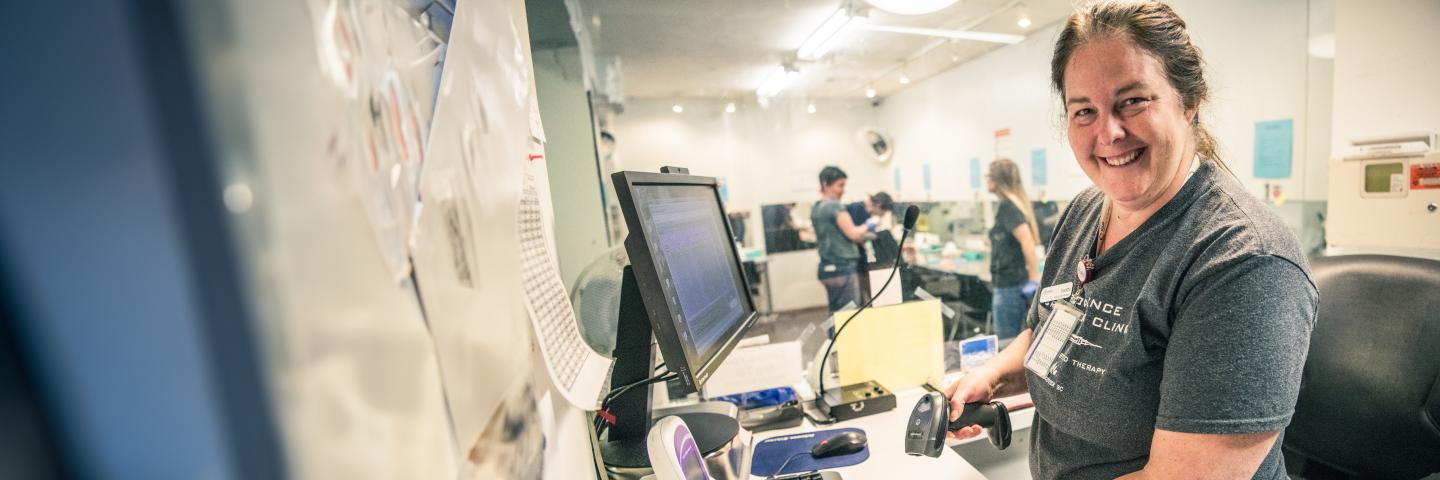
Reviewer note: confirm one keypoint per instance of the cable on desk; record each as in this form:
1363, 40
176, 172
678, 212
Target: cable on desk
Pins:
780, 470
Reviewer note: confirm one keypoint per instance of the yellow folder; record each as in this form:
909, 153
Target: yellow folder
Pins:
900, 346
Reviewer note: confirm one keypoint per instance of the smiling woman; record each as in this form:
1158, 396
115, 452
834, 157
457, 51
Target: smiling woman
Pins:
1133, 85
1192, 303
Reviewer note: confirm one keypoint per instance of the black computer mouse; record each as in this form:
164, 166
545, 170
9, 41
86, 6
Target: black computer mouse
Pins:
844, 443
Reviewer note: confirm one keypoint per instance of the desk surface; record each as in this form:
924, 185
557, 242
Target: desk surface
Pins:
959, 266
886, 434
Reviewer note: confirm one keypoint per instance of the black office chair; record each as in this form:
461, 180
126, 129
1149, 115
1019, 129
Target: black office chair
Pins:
1370, 395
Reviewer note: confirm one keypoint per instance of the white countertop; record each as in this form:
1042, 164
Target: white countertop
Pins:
886, 435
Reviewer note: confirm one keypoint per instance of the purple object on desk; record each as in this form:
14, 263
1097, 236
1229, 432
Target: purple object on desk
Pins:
772, 452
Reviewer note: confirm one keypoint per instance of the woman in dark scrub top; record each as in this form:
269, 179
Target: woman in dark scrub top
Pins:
1175, 309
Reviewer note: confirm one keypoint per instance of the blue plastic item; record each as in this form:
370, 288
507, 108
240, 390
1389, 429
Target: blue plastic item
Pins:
761, 398
772, 452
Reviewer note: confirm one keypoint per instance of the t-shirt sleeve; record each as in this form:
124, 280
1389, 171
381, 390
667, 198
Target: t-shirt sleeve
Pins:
857, 212
823, 212
1007, 217
1236, 349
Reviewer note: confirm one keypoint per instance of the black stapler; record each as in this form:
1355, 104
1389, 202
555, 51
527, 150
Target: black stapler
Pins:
925, 433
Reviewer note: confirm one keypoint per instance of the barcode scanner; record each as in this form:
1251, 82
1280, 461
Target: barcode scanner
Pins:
930, 420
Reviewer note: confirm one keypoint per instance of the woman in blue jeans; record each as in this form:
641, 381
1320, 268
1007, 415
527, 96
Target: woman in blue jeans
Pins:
836, 237
1014, 265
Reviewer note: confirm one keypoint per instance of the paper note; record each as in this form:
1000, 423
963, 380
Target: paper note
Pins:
1273, 143
1037, 167
898, 346
897, 179
1004, 143
577, 370
891, 295
925, 177
974, 173
759, 367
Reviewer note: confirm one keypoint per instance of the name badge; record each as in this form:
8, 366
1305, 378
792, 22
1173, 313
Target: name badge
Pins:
1056, 292
1051, 338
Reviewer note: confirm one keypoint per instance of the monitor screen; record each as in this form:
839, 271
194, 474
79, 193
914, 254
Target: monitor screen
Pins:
686, 271
693, 254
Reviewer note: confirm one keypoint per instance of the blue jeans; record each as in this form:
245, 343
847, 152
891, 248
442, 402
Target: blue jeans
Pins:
842, 286
1009, 307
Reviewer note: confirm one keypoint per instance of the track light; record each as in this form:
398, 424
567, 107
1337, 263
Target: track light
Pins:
827, 35
955, 34
911, 7
775, 81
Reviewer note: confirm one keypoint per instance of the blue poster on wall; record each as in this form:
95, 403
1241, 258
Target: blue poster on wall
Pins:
1037, 167
925, 177
724, 189
974, 173
897, 179
1273, 148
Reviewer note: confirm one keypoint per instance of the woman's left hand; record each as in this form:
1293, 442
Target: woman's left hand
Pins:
1028, 290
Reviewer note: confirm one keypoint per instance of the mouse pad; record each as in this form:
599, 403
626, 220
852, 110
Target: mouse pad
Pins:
772, 452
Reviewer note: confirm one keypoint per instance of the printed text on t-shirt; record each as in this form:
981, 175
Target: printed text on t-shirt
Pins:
1090, 305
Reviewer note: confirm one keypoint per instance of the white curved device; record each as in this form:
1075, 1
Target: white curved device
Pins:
673, 452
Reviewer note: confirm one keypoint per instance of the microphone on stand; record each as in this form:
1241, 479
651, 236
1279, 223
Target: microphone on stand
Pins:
912, 213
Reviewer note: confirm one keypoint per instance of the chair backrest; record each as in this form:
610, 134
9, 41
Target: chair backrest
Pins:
885, 250
1370, 395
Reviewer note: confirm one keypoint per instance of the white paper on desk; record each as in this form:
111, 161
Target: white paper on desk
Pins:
891, 295
756, 368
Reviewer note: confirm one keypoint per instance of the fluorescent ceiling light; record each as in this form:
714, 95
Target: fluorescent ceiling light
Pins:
730, 107
1023, 22
869, 91
824, 38
960, 34
775, 81
677, 108
911, 7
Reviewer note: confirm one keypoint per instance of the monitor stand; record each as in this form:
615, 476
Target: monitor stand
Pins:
624, 444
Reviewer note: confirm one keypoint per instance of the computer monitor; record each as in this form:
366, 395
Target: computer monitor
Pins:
687, 269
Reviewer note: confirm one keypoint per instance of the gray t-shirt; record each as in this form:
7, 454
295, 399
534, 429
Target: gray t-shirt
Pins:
1197, 322
835, 247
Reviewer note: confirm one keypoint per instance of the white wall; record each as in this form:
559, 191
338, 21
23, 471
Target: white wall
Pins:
580, 234
765, 155
1387, 62
1256, 64
948, 119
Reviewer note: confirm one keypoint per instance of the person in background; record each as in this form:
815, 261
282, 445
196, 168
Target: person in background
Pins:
876, 214
781, 233
1170, 334
836, 238
1014, 265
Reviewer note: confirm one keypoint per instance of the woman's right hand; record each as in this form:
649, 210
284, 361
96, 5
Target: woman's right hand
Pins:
976, 386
